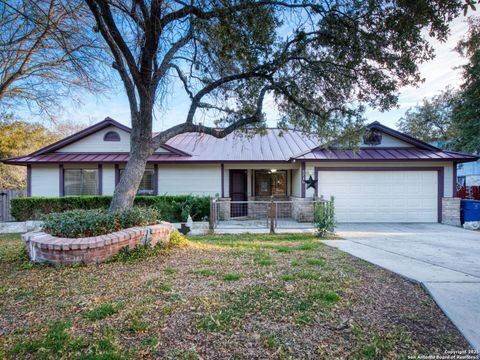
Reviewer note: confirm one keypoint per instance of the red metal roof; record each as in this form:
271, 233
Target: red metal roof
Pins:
387, 154
274, 146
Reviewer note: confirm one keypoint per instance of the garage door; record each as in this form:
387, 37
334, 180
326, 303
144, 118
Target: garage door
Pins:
381, 196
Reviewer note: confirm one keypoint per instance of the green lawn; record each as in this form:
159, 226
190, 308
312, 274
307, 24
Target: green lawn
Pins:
243, 296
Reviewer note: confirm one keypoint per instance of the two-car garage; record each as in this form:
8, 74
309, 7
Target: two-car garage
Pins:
382, 195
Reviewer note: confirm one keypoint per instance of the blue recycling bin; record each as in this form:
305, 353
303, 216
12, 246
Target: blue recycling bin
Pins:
470, 210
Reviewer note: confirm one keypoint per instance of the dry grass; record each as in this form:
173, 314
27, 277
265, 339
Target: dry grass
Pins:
251, 296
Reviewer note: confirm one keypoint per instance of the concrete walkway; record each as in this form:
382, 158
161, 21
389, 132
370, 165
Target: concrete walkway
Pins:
244, 226
444, 259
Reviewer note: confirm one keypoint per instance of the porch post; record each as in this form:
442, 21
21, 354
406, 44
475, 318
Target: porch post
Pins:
222, 169
29, 180
117, 174
60, 179
303, 179
155, 179
454, 190
100, 180
272, 216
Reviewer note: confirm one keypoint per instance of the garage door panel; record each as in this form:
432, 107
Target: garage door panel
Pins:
381, 196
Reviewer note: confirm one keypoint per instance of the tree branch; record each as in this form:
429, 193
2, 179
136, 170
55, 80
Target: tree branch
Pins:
185, 127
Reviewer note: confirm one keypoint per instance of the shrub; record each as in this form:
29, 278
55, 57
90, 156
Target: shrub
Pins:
86, 223
324, 217
171, 208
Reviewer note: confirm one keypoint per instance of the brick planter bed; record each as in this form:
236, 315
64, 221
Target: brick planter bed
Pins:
43, 247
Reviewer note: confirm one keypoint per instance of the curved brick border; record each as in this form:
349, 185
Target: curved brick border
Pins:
43, 247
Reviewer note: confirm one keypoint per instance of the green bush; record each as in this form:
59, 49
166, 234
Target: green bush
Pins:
171, 208
86, 223
324, 217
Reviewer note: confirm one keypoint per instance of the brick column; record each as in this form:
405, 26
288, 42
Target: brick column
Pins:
451, 211
224, 208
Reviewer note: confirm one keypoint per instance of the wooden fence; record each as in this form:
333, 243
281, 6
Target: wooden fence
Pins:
5, 196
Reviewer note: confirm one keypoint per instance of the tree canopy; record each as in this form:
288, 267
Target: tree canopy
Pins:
466, 115
453, 116
432, 119
19, 137
47, 49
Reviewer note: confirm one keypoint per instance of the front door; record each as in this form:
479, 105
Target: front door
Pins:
238, 192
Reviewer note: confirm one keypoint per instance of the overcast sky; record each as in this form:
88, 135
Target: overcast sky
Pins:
438, 73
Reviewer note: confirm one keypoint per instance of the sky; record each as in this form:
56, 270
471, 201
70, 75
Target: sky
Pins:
438, 73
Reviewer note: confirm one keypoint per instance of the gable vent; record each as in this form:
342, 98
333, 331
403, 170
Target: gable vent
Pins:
111, 136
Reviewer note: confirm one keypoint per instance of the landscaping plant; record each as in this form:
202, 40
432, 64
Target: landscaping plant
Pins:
171, 208
86, 223
324, 217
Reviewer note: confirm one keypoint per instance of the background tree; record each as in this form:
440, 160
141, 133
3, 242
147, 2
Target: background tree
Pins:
20, 138
432, 120
46, 50
466, 115
315, 58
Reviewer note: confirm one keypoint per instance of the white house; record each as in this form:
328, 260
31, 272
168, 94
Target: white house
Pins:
392, 177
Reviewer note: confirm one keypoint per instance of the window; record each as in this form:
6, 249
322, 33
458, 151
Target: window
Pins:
80, 182
147, 184
268, 183
111, 136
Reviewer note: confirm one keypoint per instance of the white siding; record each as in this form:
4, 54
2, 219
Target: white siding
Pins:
95, 143
387, 141
45, 180
194, 179
297, 182
108, 183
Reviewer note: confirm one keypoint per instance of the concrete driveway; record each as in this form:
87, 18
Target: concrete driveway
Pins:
444, 259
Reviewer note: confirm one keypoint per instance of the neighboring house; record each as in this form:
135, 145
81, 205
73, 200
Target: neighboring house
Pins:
468, 174
392, 177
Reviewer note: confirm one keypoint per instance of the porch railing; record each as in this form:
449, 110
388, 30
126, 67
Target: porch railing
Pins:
262, 214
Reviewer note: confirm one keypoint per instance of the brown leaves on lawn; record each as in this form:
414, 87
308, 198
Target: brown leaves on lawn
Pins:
249, 296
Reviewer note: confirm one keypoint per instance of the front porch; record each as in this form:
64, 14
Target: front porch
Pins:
261, 216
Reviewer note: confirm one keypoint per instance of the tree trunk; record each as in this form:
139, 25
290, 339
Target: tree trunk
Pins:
140, 150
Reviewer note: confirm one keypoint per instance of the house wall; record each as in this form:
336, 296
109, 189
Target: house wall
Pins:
296, 183
448, 170
108, 183
95, 143
388, 141
45, 180
195, 179
471, 168
205, 179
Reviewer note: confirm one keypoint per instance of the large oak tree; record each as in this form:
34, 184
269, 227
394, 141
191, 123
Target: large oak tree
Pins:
321, 61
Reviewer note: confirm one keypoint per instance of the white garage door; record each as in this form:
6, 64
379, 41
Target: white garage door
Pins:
381, 196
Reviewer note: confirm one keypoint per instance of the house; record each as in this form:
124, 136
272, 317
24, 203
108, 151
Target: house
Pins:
468, 174
391, 177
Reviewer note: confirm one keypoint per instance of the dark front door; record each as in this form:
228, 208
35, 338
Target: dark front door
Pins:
238, 192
